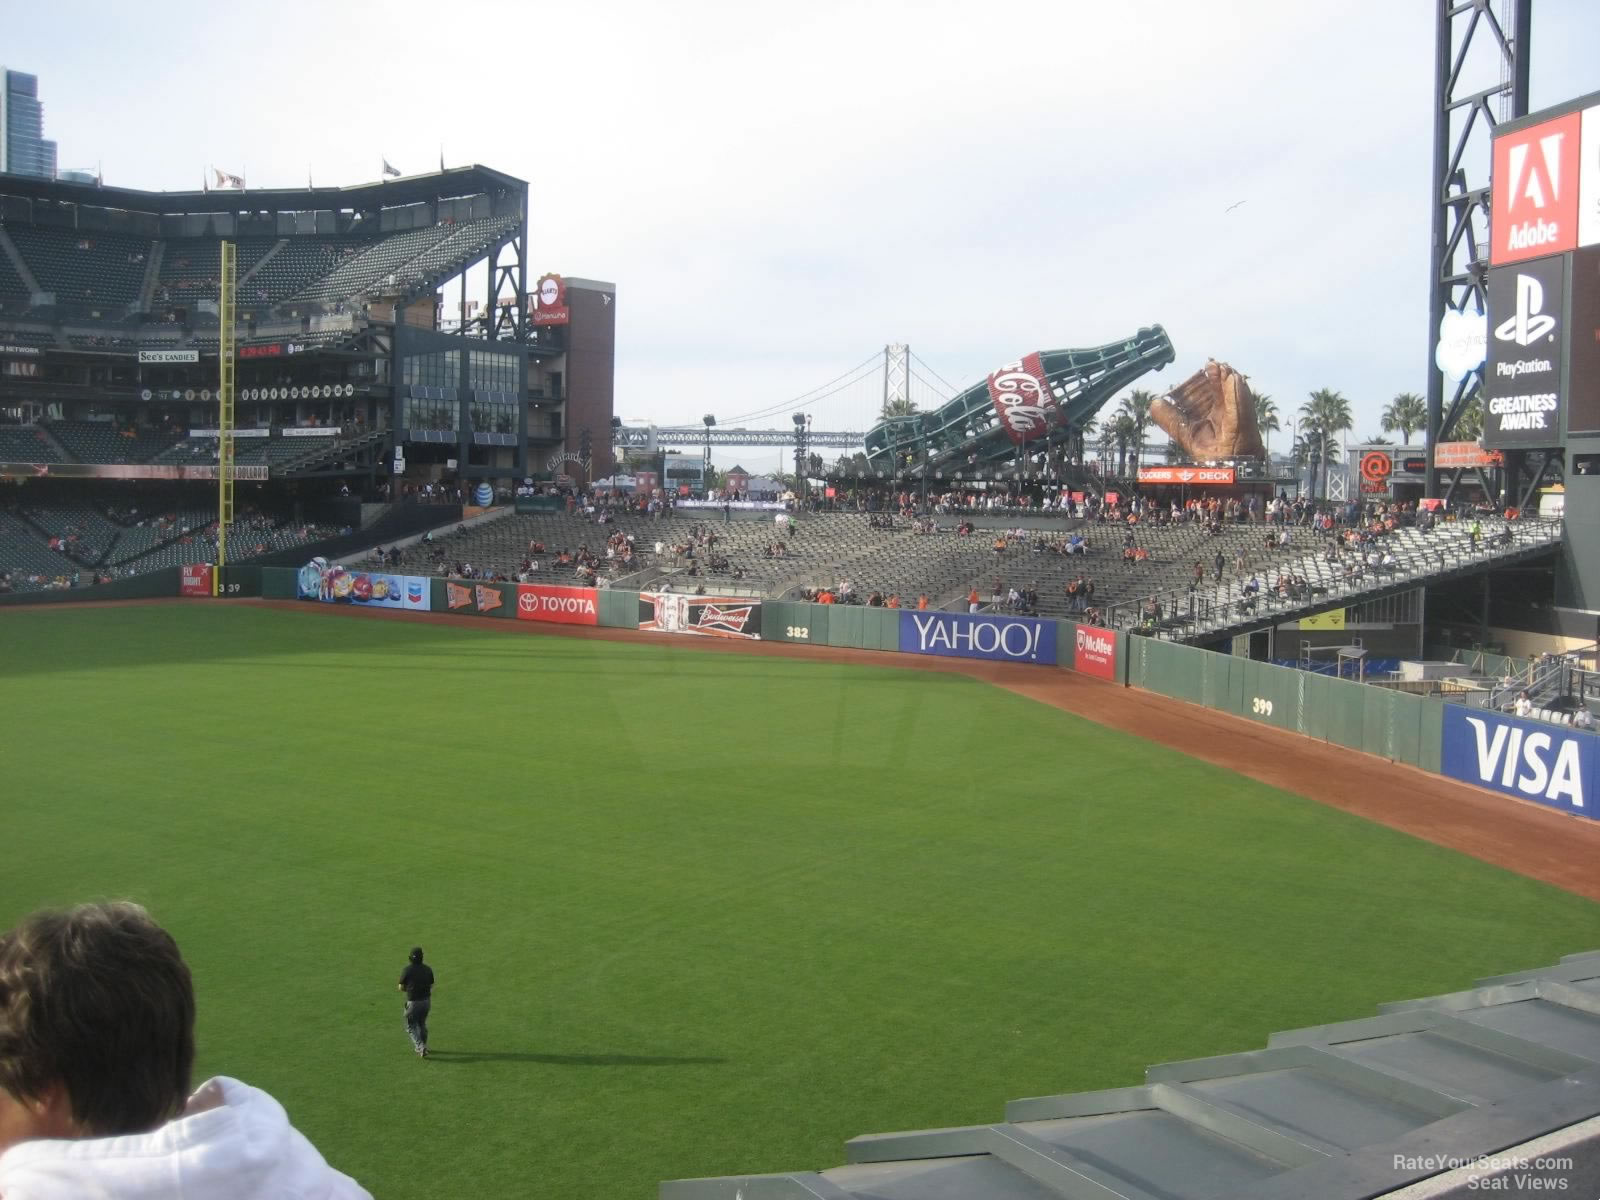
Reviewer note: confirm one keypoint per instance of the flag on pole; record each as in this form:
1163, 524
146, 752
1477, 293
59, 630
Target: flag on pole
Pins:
441, 158
225, 180
389, 170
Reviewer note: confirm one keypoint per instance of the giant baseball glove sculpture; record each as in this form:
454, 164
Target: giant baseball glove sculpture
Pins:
1211, 415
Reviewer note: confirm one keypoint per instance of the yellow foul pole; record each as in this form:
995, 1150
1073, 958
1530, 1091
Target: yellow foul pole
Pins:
226, 362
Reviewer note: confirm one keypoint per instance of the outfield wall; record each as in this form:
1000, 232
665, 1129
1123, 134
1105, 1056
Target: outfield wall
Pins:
1547, 764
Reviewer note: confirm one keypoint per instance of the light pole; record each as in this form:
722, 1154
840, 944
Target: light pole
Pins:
705, 466
802, 434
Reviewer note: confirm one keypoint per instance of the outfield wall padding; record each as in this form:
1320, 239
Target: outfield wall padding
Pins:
150, 585
618, 610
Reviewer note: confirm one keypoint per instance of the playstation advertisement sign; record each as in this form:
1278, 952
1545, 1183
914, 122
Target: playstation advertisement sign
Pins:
1527, 346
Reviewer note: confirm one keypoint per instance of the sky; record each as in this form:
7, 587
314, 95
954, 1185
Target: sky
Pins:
779, 190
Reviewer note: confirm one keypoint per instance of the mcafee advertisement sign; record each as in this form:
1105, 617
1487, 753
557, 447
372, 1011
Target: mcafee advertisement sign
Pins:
1527, 337
1094, 652
1535, 194
561, 605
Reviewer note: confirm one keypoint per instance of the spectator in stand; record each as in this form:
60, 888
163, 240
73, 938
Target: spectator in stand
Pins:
1524, 705
922, 598
1583, 718
973, 602
97, 1015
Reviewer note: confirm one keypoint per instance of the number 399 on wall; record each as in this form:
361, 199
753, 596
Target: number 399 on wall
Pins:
1261, 707
798, 633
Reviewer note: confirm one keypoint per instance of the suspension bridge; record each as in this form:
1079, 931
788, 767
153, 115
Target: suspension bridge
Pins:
835, 414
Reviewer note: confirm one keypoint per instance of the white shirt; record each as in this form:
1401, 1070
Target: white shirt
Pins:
234, 1142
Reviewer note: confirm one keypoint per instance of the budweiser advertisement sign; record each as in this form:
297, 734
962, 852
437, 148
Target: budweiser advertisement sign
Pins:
1210, 476
561, 605
1535, 191
1022, 398
707, 616
1094, 652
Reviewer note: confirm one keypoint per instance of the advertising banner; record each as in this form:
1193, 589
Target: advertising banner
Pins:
475, 599
1094, 652
1589, 180
1583, 398
550, 301
124, 471
169, 356
1190, 475
1534, 204
978, 635
561, 605
708, 616
333, 584
1021, 397
1465, 454
195, 580
1533, 760
1522, 378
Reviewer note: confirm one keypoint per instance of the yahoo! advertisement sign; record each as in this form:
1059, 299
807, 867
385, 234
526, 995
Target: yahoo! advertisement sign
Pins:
980, 635
1534, 760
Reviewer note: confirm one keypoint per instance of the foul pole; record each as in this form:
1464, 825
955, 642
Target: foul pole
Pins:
225, 370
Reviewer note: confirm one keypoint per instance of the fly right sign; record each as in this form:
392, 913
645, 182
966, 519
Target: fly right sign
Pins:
1532, 760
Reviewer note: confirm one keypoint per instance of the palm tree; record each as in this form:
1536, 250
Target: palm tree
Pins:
1123, 431
1406, 412
1136, 408
1469, 425
1267, 421
1325, 415
1376, 439
901, 406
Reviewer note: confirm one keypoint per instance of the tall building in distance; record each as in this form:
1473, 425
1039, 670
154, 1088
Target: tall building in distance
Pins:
24, 150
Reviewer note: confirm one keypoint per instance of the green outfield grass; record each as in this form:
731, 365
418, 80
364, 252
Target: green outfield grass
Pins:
691, 913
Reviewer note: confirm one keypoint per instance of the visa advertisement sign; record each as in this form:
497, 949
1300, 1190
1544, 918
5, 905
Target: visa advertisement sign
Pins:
978, 635
1534, 760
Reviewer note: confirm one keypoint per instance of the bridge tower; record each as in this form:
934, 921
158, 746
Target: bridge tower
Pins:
896, 377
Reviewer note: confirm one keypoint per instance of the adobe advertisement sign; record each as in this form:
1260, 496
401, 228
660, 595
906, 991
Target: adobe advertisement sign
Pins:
1022, 398
1583, 383
978, 635
706, 616
1532, 760
1535, 191
560, 605
1094, 652
550, 301
1527, 338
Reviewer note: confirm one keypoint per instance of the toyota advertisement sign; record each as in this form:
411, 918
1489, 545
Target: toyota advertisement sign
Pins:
1527, 342
979, 635
1532, 760
560, 605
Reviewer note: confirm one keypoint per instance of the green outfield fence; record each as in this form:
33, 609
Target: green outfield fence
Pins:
1390, 724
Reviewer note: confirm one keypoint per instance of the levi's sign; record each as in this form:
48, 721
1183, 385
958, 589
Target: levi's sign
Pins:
979, 635
1548, 764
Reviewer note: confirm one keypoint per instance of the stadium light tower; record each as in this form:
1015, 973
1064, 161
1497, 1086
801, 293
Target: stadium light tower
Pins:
706, 467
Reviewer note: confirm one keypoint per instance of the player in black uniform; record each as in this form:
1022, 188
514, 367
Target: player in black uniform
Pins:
416, 981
